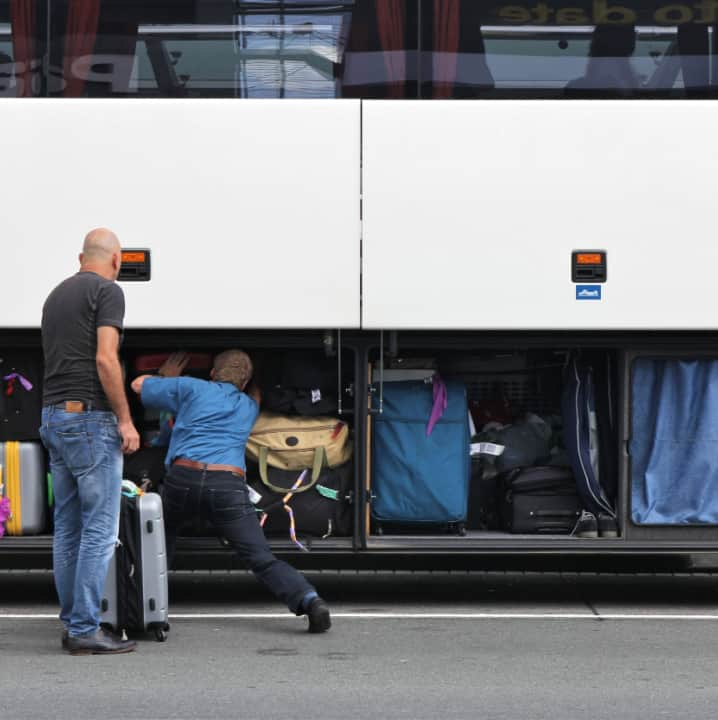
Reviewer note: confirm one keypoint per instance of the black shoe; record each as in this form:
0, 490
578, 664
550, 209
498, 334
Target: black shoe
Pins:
99, 643
318, 614
65, 635
586, 525
607, 526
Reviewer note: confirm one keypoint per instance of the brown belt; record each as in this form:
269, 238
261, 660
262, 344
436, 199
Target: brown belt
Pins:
185, 462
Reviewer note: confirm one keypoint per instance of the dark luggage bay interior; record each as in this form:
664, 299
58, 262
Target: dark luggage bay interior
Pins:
509, 378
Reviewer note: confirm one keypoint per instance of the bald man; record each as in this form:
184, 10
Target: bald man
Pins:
86, 426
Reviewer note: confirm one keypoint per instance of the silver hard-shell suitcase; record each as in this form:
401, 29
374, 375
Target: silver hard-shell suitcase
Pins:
135, 597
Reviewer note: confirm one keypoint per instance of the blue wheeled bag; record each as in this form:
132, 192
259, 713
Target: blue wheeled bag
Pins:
419, 476
589, 430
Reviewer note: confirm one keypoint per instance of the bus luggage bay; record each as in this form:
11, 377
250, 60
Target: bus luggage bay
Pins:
480, 194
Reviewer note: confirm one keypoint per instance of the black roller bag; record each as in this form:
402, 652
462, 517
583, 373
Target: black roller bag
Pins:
539, 500
321, 507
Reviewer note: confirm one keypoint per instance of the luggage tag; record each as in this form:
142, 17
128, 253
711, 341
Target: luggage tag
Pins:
486, 448
254, 496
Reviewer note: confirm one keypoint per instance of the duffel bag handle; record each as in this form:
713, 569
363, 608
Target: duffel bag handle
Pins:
320, 460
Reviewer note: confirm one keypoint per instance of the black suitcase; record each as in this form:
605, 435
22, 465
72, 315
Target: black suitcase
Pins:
539, 500
321, 509
135, 597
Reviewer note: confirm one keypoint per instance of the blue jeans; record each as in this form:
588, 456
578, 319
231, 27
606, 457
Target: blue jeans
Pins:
86, 463
223, 498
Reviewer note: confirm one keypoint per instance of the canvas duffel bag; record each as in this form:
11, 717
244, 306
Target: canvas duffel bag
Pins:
296, 443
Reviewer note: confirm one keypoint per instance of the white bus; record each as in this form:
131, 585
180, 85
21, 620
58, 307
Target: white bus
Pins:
485, 189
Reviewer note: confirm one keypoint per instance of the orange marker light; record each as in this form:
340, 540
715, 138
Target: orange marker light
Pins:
133, 257
589, 259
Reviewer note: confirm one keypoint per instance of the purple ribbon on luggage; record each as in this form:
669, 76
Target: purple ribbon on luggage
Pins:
5, 513
441, 400
23, 380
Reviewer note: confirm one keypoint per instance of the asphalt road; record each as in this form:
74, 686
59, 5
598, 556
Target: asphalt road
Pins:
402, 646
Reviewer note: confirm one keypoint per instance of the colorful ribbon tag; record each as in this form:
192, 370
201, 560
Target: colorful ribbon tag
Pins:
5, 512
441, 400
22, 379
290, 512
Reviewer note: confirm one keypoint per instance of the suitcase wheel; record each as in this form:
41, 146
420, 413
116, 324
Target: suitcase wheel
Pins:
160, 634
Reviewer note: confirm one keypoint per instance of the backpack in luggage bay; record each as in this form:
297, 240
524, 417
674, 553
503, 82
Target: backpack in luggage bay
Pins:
589, 428
25, 485
20, 395
322, 505
421, 464
301, 383
540, 499
135, 596
292, 443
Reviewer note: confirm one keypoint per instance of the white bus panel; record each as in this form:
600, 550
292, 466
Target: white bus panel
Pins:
472, 211
250, 208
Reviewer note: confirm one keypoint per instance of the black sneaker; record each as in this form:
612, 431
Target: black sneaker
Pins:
318, 614
607, 526
65, 635
586, 525
99, 643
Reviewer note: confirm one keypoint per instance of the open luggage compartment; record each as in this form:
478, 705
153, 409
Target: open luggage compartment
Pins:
306, 380
551, 412
669, 438
507, 378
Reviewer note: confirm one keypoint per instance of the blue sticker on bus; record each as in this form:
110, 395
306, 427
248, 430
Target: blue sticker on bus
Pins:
588, 292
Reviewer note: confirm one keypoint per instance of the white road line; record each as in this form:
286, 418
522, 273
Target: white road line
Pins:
407, 616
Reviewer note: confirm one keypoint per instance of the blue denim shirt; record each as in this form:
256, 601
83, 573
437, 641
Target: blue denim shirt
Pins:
212, 419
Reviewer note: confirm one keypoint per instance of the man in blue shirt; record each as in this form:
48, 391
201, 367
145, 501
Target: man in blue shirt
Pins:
206, 472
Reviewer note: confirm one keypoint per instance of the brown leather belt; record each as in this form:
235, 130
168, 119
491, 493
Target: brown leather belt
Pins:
185, 462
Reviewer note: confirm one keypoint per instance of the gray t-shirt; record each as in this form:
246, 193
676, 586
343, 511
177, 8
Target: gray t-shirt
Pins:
70, 317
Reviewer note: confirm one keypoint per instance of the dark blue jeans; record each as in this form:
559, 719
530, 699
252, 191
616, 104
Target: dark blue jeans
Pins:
223, 498
86, 464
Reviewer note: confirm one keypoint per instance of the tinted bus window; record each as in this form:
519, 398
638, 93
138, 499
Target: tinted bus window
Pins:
569, 49
427, 49
20, 50
231, 48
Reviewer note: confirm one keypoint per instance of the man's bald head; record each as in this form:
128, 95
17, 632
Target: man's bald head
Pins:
101, 253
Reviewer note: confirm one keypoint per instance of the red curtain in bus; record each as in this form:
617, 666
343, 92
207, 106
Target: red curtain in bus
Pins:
391, 21
22, 20
446, 46
81, 30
